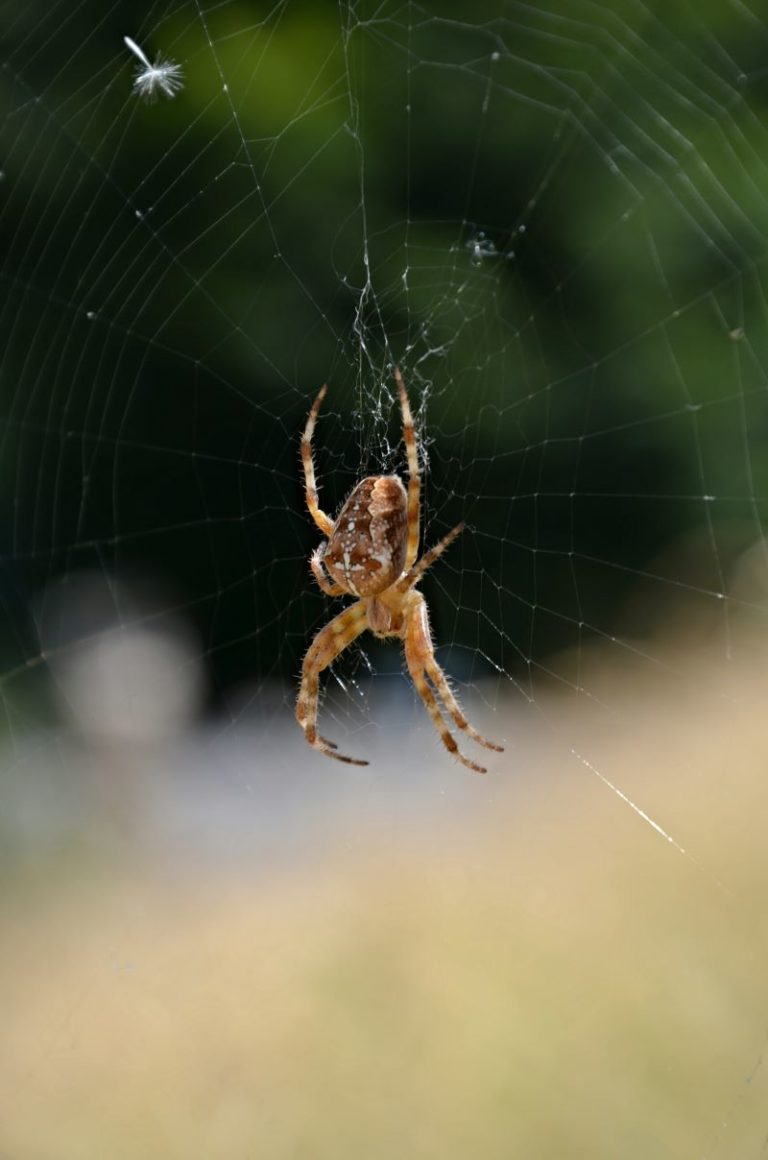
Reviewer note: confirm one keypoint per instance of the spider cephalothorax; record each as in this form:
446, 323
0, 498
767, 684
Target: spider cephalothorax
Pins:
370, 553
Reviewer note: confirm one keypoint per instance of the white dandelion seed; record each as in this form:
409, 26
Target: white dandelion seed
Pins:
164, 76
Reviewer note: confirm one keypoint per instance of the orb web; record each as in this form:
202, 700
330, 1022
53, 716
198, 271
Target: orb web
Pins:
553, 219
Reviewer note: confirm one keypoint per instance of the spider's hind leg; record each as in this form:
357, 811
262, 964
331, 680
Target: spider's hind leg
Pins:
329, 642
440, 681
420, 658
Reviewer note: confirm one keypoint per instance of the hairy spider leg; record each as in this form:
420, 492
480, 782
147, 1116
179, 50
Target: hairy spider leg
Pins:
328, 586
329, 642
420, 658
324, 522
414, 475
445, 692
414, 574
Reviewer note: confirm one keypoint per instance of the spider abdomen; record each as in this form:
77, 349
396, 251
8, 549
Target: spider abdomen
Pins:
366, 549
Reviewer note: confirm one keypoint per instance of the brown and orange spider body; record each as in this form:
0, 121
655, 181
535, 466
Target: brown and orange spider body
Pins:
371, 553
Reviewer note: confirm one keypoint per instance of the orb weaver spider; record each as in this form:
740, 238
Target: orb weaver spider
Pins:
371, 553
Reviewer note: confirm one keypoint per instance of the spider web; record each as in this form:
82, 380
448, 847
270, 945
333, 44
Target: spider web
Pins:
553, 219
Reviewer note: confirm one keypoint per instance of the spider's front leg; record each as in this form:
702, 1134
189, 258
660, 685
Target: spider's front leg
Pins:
324, 522
329, 642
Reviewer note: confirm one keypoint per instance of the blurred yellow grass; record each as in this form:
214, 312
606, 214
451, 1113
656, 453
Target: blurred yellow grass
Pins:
552, 979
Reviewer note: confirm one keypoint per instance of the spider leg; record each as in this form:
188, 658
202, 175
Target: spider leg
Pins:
414, 574
324, 523
329, 642
328, 586
420, 657
414, 475
440, 681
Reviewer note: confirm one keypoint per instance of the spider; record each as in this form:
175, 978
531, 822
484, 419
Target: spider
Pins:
370, 552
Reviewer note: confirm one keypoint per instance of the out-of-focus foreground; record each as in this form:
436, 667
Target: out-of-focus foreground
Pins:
444, 966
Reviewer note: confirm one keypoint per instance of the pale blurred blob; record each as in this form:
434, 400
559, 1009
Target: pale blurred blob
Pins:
125, 676
131, 687
127, 687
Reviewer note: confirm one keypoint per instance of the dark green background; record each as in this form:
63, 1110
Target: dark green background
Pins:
179, 278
